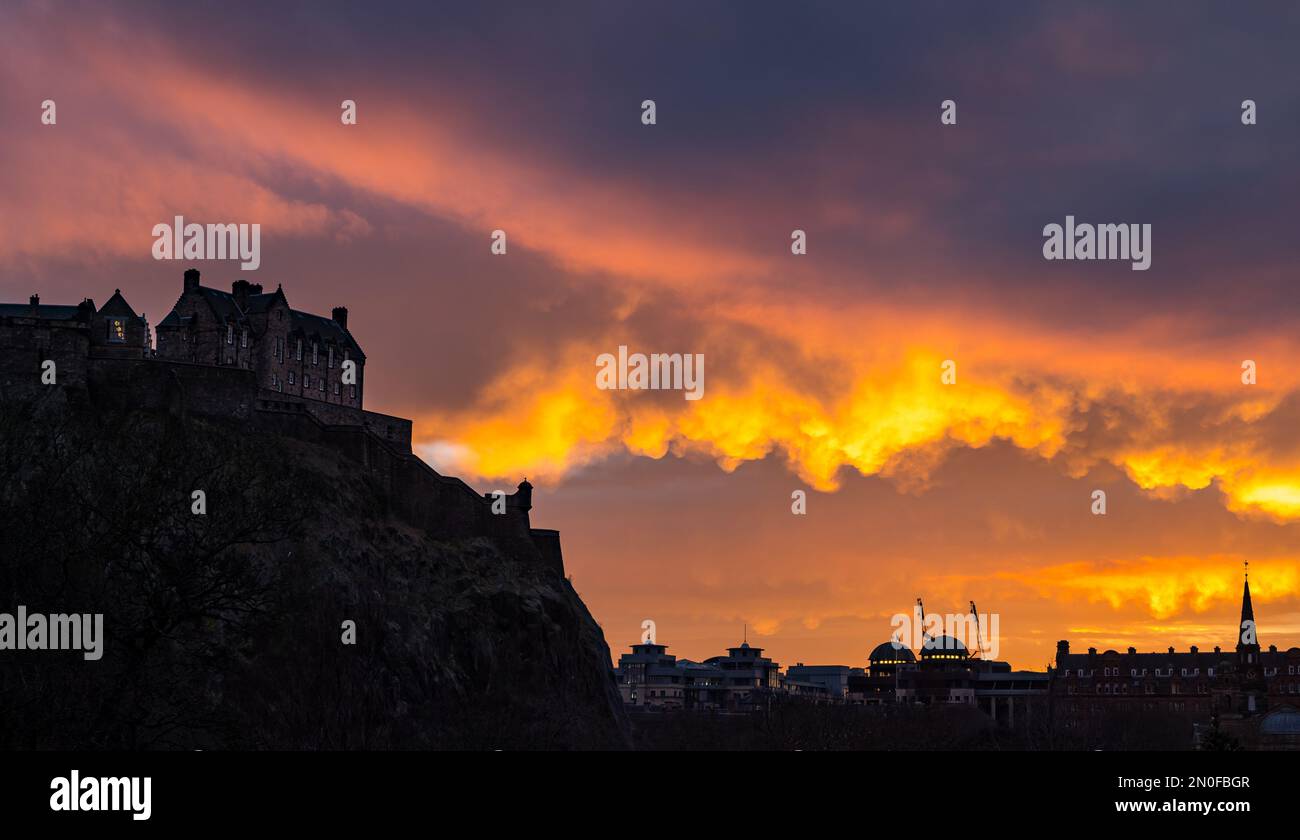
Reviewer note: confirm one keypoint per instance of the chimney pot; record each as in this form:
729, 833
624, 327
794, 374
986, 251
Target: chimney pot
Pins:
35, 300
1132, 650
191, 279
340, 316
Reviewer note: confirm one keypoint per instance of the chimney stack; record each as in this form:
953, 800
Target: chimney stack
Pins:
35, 301
1132, 651
340, 315
239, 290
191, 279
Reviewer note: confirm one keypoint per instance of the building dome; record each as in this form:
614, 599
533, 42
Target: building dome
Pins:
891, 653
1282, 721
944, 647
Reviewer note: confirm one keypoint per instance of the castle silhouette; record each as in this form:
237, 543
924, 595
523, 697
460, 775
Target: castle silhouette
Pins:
245, 357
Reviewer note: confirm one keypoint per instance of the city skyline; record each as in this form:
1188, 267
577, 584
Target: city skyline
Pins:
924, 244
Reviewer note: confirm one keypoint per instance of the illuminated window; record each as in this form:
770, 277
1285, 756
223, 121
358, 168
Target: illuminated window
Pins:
116, 330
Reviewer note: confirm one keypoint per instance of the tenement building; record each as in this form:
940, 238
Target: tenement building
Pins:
651, 678
1249, 691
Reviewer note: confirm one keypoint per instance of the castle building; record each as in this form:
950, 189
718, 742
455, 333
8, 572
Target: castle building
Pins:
245, 357
290, 351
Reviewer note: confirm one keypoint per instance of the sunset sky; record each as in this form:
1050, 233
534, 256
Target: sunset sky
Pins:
822, 370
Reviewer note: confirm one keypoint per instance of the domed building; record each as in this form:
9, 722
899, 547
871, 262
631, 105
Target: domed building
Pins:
886, 658
943, 651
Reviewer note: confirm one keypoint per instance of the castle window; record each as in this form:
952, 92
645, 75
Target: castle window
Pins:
243, 338
290, 377
230, 333
315, 353
116, 330
306, 380
320, 385
330, 356
354, 391
279, 349
300, 349
336, 389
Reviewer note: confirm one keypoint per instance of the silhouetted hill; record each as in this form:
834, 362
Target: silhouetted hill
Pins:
223, 630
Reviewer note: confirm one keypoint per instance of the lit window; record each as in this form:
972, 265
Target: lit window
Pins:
116, 330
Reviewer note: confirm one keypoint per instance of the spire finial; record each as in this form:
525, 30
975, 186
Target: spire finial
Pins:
1246, 564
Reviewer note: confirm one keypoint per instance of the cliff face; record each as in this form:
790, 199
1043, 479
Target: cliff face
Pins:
227, 629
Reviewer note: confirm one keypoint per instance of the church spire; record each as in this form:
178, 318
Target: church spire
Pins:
1247, 639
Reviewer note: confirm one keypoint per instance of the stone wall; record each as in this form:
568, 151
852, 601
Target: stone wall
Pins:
25, 343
